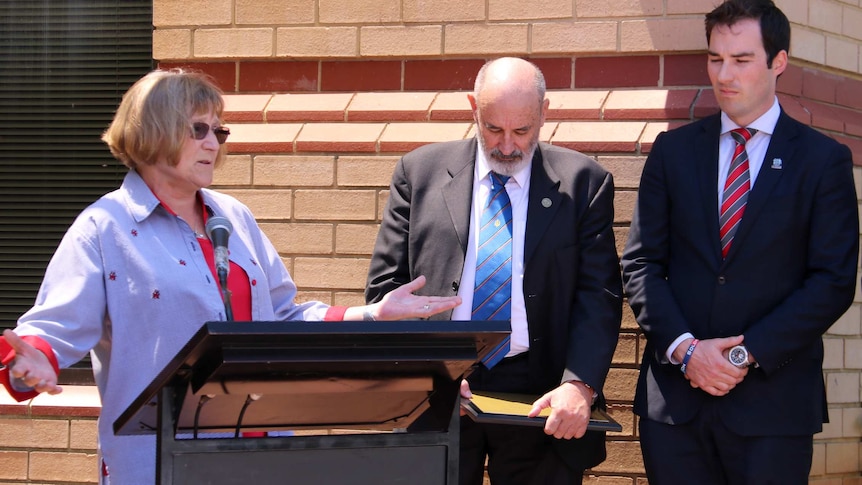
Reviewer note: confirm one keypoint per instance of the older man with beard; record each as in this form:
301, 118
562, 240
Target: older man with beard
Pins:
555, 271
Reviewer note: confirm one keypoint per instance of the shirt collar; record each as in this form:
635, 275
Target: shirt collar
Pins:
142, 201
765, 123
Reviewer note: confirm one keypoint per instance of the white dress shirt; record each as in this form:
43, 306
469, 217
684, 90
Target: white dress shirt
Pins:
518, 189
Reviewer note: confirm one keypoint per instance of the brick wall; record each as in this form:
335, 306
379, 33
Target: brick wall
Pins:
825, 32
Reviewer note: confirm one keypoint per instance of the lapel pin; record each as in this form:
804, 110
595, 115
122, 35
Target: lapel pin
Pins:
546, 202
776, 164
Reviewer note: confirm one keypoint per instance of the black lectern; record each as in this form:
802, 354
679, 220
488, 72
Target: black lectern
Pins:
392, 386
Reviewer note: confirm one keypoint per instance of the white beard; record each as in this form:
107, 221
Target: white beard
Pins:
507, 167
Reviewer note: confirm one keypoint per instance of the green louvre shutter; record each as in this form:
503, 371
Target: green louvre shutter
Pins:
64, 66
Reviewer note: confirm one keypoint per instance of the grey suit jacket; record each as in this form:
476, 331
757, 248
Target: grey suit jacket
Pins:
789, 275
572, 286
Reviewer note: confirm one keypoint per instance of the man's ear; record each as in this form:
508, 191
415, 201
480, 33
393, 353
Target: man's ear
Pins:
474, 107
779, 62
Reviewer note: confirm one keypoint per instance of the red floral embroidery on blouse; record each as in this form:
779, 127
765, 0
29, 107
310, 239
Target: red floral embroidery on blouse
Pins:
135, 232
112, 276
183, 262
156, 294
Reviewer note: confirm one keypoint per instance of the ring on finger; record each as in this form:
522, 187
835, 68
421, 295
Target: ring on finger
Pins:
426, 307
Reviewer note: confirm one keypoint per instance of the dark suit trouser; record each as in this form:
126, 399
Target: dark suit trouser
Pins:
706, 452
517, 455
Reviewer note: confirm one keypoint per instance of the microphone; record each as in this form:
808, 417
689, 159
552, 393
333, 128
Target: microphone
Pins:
218, 230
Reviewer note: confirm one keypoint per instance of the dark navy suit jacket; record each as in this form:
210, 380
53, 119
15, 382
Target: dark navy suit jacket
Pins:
789, 275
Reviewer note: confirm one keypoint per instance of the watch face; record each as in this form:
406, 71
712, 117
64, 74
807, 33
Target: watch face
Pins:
738, 356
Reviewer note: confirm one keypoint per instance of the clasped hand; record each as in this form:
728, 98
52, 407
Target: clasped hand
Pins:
708, 368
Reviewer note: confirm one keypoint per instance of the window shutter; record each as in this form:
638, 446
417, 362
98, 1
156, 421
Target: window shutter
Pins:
64, 66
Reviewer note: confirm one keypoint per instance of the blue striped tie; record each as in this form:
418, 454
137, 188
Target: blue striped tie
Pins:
492, 296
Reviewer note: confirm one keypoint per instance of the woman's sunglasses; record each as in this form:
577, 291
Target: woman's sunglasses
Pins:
200, 131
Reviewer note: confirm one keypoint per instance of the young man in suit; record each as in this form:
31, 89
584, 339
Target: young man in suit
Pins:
562, 289
742, 253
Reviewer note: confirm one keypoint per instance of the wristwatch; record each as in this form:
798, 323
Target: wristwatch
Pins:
738, 356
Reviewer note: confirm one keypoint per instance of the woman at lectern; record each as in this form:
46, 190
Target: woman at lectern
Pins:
140, 270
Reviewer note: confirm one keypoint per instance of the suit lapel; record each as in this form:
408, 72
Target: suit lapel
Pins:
457, 193
781, 149
544, 200
707, 178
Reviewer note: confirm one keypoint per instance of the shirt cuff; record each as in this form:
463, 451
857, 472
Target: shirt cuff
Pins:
668, 354
335, 314
7, 355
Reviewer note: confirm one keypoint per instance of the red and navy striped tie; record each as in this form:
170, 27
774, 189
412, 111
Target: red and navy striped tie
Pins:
736, 189
492, 296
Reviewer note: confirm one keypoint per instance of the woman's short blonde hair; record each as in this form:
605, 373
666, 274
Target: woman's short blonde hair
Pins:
154, 118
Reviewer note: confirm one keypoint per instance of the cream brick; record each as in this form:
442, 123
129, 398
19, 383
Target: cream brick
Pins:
617, 8
220, 43
852, 22
363, 171
265, 204
623, 414
825, 15
842, 457
624, 205
832, 429
808, 45
853, 353
236, 170
401, 41
662, 35
603, 480
13, 465
536, 9
485, 39
677, 7
567, 37
321, 296
620, 384
279, 12
851, 422
623, 457
795, 10
818, 460
359, 11
355, 238
67, 467
308, 238
842, 387
294, 171
857, 179
382, 199
443, 10
191, 12
83, 434
317, 41
842, 53
172, 44
626, 170
627, 350
833, 350
848, 324
345, 298
353, 205
348, 273
34, 433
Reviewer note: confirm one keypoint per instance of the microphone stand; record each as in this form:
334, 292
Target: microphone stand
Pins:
225, 295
